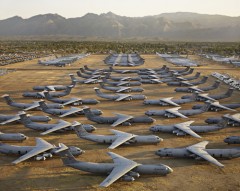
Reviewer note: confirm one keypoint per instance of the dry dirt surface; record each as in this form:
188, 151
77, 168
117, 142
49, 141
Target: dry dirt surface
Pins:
189, 174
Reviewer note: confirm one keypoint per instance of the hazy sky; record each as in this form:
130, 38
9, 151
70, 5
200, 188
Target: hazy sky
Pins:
133, 8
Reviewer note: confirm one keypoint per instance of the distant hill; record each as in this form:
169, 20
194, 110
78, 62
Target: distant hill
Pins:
178, 26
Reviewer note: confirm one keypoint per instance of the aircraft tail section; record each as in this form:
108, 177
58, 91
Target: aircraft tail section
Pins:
79, 73
229, 92
204, 79
7, 99
67, 157
88, 113
197, 74
24, 118
194, 95
216, 84
80, 131
47, 95
97, 90
223, 122
206, 106
73, 78
43, 105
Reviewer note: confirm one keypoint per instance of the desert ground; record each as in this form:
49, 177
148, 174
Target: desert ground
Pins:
188, 174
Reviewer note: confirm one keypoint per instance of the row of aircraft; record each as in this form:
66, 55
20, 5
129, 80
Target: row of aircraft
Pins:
121, 167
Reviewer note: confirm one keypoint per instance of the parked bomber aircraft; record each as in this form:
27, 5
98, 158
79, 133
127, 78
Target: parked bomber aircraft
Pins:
60, 126
173, 102
119, 137
214, 107
121, 89
65, 112
233, 120
122, 83
187, 83
29, 106
195, 88
232, 140
116, 120
199, 151
41, 151
5, 119
175, 112
12, 137
182, 129
52, 87
70, 101
202, 97
121, 167
53, 94
87, 81
119, 97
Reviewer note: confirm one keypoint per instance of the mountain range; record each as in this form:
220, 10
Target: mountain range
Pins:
180, 26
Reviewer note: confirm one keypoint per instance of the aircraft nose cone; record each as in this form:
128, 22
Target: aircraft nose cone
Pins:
170, 170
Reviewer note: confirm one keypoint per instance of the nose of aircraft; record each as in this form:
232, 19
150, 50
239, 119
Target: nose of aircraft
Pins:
170, 170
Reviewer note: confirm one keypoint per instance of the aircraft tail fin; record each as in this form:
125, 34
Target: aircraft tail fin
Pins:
101, 84
97, 90
88, 113
80, 131
43, 104
7, 99
69, 88
47, 95
197, 74
223, 122
67, 157
25, 119
206, 106
72, 78
82, 70
194, 95
79, 73
204, 79
229, 92
216, 84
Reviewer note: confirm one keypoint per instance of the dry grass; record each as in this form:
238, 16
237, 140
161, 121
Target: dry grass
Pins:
52, 175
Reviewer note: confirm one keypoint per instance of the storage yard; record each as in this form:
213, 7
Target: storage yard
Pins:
188, 174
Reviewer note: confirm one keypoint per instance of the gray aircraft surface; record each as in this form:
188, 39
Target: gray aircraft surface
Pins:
119, 97
60, 126
198, 151
5, 119
214, 107
169, 101
121, 167
91, 76
121, 89
233, 120
117, 120
151, 81
53, 94
65, 112
122, 78
195, 88
94, 70
41, 151
28, 106
196, 76
232, 140
121, 83
175, 112
86, 81
70, 101
187, 83
12, 137
52, 87
182, 129
91, 73
202, 97
119, 137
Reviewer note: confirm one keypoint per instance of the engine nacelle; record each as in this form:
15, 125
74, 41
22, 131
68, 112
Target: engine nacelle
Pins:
168, 115
128, 178
134, 174
47, 155
126, 123
38, 158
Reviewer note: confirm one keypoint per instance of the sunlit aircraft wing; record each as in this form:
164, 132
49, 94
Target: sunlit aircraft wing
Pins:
125, 78
40, 147
185, 128
15, 118
122, 137
235, 117
169, 101
175, 111
122, 97
206, 97
217, 104
121, 118
33, 106
156, 80
198, 149
90, 81
61, 125
122, 83
122, 89
195, 88
71, 101
186, 83
121, 167
50, 88
71, 111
